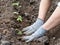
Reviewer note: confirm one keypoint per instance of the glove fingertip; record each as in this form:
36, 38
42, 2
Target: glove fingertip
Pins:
23, 30
26, 33
27, 41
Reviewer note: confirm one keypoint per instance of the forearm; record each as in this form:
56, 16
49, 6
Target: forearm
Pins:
54, 20
43, 8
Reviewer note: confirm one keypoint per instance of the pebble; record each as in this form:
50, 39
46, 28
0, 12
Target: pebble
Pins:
4, 42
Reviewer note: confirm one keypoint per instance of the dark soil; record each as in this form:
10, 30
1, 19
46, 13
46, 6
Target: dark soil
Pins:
29, 12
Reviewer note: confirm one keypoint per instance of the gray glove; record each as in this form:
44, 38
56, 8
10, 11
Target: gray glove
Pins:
30, 29
39, 33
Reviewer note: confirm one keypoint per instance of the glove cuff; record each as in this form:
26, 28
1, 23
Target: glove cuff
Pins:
40, 20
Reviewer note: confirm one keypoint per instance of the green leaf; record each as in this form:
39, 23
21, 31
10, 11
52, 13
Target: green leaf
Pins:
20, 33
19, 18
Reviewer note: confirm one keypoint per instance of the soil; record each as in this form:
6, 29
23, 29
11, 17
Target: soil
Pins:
29, 11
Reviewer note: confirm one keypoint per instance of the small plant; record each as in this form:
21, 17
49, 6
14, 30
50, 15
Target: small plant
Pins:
18, 32
15, 4
19, 18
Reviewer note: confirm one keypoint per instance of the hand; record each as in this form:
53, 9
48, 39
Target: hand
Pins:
28, 38
39, 33
30, 29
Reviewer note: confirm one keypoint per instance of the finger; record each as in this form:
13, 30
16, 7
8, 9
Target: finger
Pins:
25, 37
30, 31
29, 40
27, 32
25, 29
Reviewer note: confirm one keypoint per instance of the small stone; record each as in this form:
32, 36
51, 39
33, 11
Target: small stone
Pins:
16, 13
5, 31
54, 38
4, 42
26, 14
32, 1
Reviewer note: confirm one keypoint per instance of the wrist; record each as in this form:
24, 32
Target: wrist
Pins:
46, 27
42, 18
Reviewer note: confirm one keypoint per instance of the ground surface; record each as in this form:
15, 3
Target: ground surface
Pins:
29, 12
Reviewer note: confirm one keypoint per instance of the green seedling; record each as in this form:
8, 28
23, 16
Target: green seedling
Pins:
18, 32
15, 4
16, 13
19, 18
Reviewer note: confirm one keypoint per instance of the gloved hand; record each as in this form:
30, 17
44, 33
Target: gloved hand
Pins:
39, 33
30, 29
